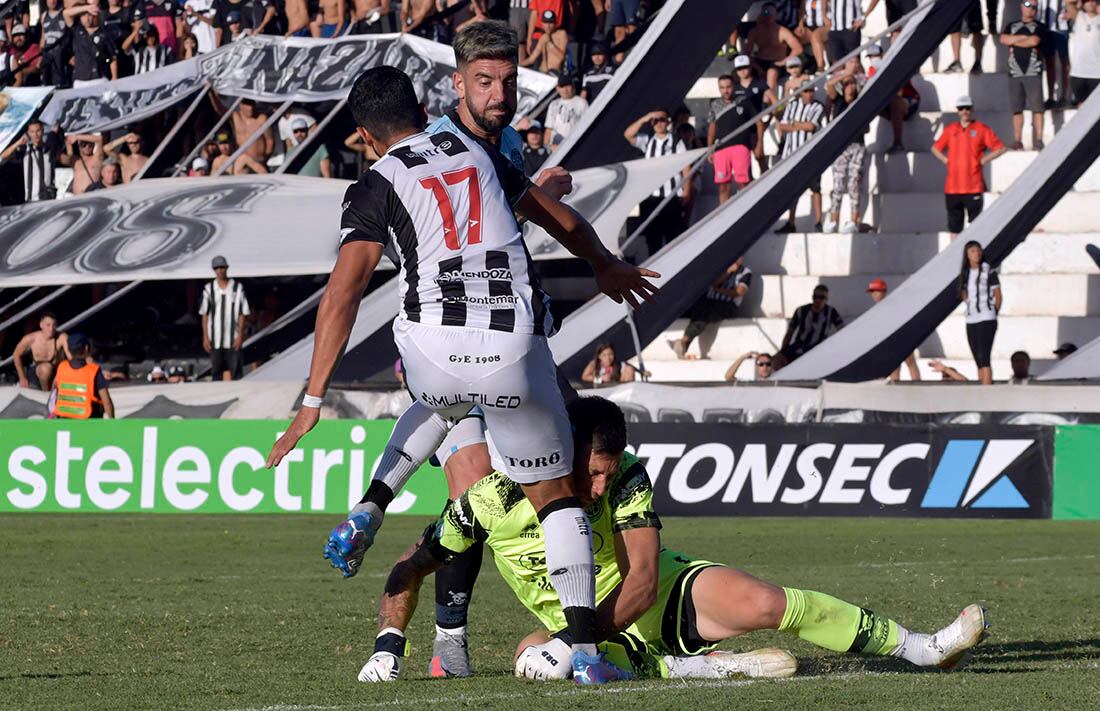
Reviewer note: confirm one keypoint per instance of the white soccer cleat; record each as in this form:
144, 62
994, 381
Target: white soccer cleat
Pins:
758, 664
953, 643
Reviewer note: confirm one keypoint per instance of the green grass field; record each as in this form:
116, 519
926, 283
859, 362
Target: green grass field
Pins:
242, 613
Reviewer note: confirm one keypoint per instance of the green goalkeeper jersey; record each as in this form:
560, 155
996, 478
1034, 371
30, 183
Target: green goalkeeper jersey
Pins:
495, 510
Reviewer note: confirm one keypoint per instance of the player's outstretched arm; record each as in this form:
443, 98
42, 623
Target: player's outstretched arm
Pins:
617, 279
335, 317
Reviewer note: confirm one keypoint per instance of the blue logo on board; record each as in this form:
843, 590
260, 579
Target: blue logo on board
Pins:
971, 474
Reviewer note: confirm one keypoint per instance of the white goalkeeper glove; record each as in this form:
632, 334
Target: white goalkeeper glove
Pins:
385, 663
550, 660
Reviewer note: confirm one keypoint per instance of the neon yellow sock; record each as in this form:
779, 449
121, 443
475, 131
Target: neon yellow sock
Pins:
837, 625
626, 651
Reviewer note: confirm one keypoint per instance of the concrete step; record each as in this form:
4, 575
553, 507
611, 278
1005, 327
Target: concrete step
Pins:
925, 212
921, 131
922, 172
871, 255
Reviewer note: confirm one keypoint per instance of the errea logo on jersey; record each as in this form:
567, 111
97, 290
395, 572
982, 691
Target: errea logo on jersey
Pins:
971, 474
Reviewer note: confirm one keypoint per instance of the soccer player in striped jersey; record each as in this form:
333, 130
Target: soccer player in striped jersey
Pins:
661, 612
471, 330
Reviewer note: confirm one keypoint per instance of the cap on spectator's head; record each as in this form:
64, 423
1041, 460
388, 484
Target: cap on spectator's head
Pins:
599, 48
19, 29
77, 342
741, 61
549, 17
233, 17
221, 138
299, 124
219, 262
794, 61
565, 80
157, 370
535, 126
807, 85
176, 370
964, 102
877, 285
874, 51
1066, 349
200, 164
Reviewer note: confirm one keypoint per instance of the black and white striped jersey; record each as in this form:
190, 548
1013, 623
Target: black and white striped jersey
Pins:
224, 307
979, 284
800, 112
1052, 13
813, 13
445, 200
844, 13
658, 146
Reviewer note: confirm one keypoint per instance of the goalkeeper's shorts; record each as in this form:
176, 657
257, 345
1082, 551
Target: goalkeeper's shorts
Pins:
669, 626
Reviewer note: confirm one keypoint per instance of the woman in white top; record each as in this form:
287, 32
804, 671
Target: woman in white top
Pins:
1084, 47
980, 290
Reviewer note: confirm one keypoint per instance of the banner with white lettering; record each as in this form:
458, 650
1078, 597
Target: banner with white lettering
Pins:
848, 470
276, 69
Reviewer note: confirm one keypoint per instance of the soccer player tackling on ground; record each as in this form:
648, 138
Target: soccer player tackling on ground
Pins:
659, 611
472, 327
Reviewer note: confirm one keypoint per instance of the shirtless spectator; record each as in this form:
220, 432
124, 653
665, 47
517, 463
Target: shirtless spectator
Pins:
623, 19
330, 20
297, 18
131, 161
546, 45
86, 160
247, 120
244, 165
47, 348
813, 27
413, 15
374, 17
795, 77
770, 44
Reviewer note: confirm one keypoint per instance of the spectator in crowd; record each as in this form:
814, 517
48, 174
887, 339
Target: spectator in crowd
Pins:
810, 325
1065, 350
47, 347
970, 26
243, 165
287, 120
669, 222
947, 373
757, 94
606, 368
564, 113
814, 28
255, 17
80, 390
200, 17
1053, 14
39, 153
519, 18
965, 147
762, 366
902, 107
1024, 38
110, 174
189, 47
24, 58
795, 77
163, 15
54, 42
1021, 368
133, 159
223, 310
842, 89
547, 41
177, 374
980, 290
895, 10
319, 164
1084, 46
801, 119
330, 19
721, 301
200, 168
118, 23
535, 151
844, 33
623, 19
95, 57
145, 49
236, 27
877, 289
355, 143
597, 77
732, 163
379, 17
247, 120
86, 160
770, 45
157, 375
414, 16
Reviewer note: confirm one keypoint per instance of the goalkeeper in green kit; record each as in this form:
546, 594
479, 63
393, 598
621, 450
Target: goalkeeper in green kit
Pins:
660, 613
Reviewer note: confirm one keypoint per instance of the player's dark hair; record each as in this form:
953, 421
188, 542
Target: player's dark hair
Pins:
384, 102
599, 423
493, 39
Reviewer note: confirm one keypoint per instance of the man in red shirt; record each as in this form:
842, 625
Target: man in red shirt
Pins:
963, 149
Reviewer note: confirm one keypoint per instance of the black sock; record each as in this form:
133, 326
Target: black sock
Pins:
454, 586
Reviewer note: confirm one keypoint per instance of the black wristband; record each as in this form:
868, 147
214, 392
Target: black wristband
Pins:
393, 643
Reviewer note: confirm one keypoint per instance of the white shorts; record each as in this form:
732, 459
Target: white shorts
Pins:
512, 377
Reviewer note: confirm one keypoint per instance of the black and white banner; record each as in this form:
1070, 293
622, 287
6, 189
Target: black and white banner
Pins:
848, 470
17, 106
276, 69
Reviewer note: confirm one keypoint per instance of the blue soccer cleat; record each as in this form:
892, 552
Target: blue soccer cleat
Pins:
596, 670
348, 543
